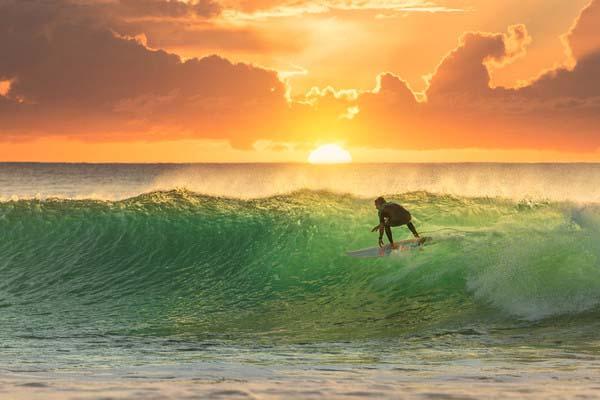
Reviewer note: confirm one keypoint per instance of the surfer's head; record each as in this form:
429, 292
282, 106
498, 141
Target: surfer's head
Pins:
380, 201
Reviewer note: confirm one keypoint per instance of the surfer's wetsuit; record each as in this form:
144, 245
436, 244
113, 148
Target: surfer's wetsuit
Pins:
392, 214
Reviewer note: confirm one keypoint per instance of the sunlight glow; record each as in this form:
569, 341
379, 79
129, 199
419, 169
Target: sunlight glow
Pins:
4, 87
329, 154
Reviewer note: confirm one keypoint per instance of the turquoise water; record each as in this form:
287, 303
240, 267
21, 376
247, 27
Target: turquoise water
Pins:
177, 280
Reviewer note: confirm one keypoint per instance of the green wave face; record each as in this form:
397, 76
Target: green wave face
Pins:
176, 263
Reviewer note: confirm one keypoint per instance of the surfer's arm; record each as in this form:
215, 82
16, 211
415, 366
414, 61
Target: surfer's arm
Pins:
380, 226
381, 223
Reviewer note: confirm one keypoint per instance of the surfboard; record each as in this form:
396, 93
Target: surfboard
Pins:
385, 251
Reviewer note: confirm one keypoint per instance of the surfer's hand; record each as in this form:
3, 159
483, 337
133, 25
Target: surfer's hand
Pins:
380, 242
374, 229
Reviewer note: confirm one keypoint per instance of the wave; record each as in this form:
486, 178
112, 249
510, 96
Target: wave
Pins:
554, 182
181, 263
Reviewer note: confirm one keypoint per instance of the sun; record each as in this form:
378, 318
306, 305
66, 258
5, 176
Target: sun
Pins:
329, 154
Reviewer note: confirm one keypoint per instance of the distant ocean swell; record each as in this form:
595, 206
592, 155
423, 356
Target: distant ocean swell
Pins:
180, 263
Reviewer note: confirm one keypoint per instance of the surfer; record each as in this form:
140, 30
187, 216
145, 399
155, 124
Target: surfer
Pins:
392, 214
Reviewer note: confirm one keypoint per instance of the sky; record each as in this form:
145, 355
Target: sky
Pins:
271, 80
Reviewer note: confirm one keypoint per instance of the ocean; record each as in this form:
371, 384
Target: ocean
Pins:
227, 281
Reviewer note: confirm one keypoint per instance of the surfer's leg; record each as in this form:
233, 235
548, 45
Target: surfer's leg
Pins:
388, 232
412, 229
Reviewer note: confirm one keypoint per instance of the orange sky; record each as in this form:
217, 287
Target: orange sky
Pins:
268, 80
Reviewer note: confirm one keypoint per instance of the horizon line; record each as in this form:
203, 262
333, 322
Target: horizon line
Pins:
299, 163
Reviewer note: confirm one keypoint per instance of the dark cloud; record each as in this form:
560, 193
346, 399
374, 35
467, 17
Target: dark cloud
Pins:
165, 24
464, 72
584, 38
70, 76
580, 81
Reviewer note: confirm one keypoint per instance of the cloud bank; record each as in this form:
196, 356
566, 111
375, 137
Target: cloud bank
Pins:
88, 69
559, 109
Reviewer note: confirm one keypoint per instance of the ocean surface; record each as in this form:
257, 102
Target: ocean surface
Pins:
232, 281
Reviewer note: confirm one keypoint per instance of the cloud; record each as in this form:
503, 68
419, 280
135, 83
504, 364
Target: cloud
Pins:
166, 24
583, 39
159, 8
559, 109
71, 77
464, 72
578, 81
168, 34
84, 75
257, 10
